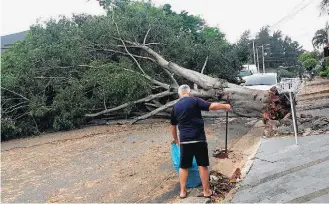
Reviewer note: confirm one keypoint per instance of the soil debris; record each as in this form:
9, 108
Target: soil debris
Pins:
221, 153
221, 185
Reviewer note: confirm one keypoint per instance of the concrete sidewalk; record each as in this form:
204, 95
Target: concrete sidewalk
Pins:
285, 172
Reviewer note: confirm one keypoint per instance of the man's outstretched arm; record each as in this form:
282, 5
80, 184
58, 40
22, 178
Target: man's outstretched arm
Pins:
206, 106
220, 106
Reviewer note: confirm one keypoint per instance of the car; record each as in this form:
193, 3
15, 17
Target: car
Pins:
264, 81
244, 73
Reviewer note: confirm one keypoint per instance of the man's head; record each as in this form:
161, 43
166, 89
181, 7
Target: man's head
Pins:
184, 90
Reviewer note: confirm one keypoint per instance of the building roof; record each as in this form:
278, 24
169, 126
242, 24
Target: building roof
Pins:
8, 40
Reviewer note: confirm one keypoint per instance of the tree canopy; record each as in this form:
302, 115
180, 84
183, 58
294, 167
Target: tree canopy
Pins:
279, 50
321, 37
72, 67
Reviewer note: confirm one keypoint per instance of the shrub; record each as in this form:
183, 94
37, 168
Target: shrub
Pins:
286, 74
323, 74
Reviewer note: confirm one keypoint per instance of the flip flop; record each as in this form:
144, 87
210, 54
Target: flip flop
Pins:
201, 195
212, 193
183, 196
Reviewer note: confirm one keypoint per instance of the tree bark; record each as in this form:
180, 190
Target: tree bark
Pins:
244, 101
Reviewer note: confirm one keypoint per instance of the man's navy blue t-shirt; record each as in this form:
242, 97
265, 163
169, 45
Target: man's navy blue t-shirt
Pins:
187, 115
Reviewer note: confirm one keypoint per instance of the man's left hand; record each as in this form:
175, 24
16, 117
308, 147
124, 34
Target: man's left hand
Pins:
175, 141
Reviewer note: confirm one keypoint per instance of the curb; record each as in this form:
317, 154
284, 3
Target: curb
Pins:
245, 170
250, 160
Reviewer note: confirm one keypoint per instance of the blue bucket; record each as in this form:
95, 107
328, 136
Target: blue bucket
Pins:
193, 179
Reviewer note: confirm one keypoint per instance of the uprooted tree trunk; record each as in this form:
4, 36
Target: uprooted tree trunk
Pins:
244, 102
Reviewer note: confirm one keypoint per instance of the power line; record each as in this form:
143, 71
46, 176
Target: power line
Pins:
288, 17
289, 13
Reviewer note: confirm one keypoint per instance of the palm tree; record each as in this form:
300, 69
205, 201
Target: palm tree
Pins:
321, 36
324, 7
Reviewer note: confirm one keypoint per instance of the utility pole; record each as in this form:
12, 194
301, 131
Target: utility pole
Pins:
257, 59
263, 59
253, 49
328, 36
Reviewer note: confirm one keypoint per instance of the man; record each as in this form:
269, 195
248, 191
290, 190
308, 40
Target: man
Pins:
187, 115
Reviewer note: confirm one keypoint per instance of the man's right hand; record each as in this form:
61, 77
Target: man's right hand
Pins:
228, 107
220, 106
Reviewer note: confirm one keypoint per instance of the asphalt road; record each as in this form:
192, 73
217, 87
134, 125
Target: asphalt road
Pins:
98, 164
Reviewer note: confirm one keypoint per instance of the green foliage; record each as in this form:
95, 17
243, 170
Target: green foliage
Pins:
320, 37
9, 129
279, 50
286, 74
308, 60
309, 64
323, 74
305, 56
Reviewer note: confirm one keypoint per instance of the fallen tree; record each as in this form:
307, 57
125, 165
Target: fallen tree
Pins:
127, 64
245, 102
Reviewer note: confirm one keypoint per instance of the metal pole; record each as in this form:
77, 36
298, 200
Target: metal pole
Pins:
226, 132
293, 116
294, 108
227, 101
257, 59
328, 36
253, 49
263, 59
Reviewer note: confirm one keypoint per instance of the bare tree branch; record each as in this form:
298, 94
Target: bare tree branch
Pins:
167, 72
26, 113
171, 75
137, 56
43, 77
6, 100
137, 46
146, 35
36, 125
148, 44
163, 85
123, 43
16, 93
154, 112
152, 105
14, 106
15, 109
146, 99
159, 83
204, 65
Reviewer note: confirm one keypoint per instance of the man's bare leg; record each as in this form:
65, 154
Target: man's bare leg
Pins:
183, 173
204, 175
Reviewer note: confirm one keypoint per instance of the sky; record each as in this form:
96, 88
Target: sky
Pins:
232, 17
